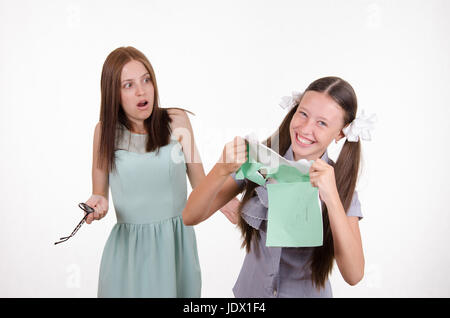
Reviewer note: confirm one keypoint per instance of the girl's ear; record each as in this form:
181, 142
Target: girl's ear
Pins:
341, 135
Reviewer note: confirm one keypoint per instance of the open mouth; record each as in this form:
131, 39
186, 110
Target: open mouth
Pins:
142, 104
302, 141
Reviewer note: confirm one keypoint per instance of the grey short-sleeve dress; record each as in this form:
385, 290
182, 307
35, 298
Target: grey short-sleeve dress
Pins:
277, 271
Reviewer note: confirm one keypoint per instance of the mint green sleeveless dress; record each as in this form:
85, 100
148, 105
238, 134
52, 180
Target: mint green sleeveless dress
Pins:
149, 252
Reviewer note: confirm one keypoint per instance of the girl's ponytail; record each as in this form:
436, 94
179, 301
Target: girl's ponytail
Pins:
346, 171
346, 174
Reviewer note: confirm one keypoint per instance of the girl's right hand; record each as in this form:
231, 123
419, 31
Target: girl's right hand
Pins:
100, 204
234, 154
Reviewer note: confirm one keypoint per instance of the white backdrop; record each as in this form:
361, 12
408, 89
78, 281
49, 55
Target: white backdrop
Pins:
229, 62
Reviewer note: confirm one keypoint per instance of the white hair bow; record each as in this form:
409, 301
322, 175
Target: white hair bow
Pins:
360, 127
287, 102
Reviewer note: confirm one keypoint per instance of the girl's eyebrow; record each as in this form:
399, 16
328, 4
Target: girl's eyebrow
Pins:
302, 108
132, 79
322, 118
318, 117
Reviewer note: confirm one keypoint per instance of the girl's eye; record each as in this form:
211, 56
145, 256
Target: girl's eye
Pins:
322, 123
303, 114
147, 80
127, 85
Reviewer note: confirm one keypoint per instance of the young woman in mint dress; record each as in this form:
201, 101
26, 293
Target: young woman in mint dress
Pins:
143, 152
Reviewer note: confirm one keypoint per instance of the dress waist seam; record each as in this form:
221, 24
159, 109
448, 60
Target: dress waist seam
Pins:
154, 222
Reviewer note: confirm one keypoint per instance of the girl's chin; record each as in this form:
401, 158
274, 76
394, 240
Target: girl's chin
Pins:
143, 114
302, 153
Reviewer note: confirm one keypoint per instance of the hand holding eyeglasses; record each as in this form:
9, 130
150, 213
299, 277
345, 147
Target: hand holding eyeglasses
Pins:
88, 211
100, 205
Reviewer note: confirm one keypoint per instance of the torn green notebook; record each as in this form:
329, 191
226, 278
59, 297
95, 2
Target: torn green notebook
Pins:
294, 208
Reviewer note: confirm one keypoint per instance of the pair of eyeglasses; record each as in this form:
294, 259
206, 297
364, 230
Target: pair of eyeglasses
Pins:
86, 208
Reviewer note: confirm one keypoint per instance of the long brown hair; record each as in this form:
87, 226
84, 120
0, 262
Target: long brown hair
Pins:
345, 169
112, 113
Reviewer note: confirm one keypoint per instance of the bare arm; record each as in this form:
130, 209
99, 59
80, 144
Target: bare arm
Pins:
347, 243
217, 188
214, 192
100, 182
345, 229
182, 131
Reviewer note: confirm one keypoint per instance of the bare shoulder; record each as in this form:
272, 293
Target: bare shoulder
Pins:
98, 129
177, 112
179, 118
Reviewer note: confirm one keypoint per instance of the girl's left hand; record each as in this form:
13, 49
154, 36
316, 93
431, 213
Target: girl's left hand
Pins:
321, 175
231, 210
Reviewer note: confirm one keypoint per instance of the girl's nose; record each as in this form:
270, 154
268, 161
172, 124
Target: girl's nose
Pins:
307, 127
139, 90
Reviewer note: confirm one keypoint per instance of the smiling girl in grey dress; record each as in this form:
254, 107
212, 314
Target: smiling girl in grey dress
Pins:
322, 114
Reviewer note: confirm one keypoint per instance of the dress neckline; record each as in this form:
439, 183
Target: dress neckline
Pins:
130, 132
